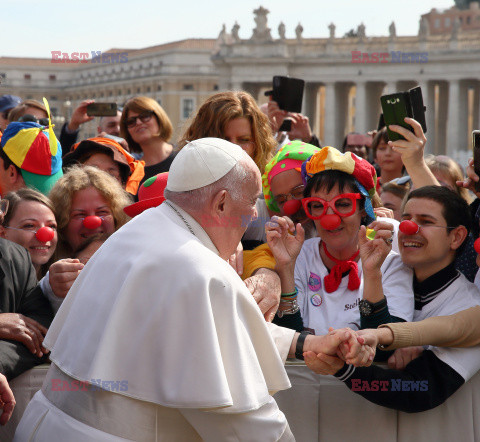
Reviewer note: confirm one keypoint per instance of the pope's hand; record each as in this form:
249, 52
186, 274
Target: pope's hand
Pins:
343, 343
266, 289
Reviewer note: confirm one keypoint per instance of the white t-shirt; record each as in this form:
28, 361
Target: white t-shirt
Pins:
458, 296
321, 310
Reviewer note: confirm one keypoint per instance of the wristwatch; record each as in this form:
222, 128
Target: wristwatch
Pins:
367, 308
300, 342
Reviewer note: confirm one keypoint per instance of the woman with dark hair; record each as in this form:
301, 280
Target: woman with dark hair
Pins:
147, 129
30, 222
342, 277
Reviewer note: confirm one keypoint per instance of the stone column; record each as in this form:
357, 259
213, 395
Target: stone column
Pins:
310, 105
453, 120
360, 108
330, 115
429, 103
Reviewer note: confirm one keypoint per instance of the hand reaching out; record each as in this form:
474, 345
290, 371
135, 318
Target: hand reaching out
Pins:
284, 239
373, 252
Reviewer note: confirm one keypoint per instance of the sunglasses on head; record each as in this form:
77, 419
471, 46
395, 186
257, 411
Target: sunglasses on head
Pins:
144, 117
343, 205
34, 119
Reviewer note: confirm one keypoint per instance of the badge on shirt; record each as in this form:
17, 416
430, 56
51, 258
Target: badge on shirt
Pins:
316, 300
314, 282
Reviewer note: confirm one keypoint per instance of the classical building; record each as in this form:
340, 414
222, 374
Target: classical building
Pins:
442, 21
345, 76
179, 75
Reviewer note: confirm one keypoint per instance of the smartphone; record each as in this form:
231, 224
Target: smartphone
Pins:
286, 125
396, 107
288, 93
395, 111
476, 155
102, 109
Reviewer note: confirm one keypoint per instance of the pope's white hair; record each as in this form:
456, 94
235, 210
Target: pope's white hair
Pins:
233, 182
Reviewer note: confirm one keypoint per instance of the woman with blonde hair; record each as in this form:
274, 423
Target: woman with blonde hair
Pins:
87, 202
236, 117
447, 171
147, 129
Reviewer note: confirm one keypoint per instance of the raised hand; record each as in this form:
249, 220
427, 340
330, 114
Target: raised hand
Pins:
300, 128
80, 116
411, 149
373, 252
284, 239
62, 275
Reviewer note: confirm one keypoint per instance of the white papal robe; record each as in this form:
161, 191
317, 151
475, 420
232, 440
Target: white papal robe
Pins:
173, 337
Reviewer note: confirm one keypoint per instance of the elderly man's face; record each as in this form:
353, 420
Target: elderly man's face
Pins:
243, 210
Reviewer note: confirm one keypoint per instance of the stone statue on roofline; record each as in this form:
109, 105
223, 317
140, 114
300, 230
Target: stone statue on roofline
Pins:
261, 31
281, 31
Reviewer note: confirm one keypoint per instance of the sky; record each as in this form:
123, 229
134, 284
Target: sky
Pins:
33, 28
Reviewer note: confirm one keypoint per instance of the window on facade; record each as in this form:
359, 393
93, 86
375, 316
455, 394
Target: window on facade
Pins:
53, 98
187, 107
27, 77
447, 22
215, 87
148, 88
437, 23
468, 20
52, 77
159, 87
188, 87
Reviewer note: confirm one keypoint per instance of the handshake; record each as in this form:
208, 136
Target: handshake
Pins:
328, 354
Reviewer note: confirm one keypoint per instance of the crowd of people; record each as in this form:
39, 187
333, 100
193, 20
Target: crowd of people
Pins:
239, 243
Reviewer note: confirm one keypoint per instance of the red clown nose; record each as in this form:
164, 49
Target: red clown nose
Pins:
409, 227
92, 222
291, 207
330, 222
476, 245
45, 234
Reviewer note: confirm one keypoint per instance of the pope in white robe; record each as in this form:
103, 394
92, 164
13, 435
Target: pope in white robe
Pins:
170, 339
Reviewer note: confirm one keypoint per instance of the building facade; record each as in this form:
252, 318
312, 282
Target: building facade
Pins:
345, 77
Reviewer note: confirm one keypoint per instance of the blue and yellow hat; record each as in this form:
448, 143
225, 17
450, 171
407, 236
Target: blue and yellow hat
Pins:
36, 151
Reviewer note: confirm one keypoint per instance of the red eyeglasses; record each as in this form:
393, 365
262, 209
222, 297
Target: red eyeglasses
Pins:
343, 205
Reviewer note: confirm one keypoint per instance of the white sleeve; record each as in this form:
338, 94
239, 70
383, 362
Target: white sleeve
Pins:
268, 421
55, 301
397, 280
283, 338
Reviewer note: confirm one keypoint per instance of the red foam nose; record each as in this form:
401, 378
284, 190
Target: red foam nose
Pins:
92, 222
476, 245
45, 234
291, 207
409, 227
330, 222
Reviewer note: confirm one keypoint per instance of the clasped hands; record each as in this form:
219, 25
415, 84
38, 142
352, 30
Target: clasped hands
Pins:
327, 354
